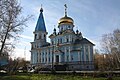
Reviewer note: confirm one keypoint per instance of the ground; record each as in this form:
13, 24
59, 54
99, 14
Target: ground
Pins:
51, 77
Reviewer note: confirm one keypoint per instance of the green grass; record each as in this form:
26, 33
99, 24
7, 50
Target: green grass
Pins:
51, 77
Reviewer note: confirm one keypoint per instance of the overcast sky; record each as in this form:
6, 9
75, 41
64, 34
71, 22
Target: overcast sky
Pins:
92, 17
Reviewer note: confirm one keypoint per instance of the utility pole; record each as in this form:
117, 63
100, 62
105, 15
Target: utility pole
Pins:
52, 58
25, 53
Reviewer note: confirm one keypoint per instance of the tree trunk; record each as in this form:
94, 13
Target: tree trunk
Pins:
3, 43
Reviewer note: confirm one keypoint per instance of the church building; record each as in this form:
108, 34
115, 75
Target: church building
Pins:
67, 49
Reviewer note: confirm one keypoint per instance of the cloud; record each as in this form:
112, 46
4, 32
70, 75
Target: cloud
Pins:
26, 37
23, 53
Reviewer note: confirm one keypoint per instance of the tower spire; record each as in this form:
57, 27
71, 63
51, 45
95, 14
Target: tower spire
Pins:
40, 26
65, 10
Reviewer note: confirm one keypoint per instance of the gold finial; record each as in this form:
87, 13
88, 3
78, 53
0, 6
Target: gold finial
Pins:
65, 10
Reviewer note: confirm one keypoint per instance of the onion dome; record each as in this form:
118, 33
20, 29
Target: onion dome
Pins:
65, 19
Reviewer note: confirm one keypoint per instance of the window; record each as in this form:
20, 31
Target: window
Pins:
60, 40
44, 36
72, 67
67, 40
49, 59
72, 39
35, 36
67, 58
37, 46
72, 57
39, 36
52, 42
87, 57
43, 59
46, 59
68, 27
39, 59
61, 29
49, 52
67, 50
87, 67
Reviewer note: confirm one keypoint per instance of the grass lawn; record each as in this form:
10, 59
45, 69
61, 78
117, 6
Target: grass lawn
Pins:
50, 77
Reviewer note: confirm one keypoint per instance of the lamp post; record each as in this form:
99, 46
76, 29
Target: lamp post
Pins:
52, 58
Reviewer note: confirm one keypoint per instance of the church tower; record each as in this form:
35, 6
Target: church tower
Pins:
40, 30
67, 47
40, 34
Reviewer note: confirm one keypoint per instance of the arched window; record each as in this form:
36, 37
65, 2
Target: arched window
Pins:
44, 35
68, 27
67, 58
60, 40
67, 50
72, 57
52, 42
39, 36
35, 36
72, 39
61, 28
67, 40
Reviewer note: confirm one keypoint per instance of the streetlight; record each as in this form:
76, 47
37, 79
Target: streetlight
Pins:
52, 58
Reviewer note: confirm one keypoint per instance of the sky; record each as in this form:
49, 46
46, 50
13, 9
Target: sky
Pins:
91, 17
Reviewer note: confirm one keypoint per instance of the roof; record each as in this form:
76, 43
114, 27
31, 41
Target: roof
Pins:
40, 23
83, 41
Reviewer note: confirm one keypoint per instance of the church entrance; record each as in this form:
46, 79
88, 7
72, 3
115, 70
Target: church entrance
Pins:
57, 58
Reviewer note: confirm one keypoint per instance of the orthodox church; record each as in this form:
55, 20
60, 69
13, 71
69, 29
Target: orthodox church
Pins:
67, 49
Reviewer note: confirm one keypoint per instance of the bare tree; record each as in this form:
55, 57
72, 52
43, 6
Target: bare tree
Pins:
11, 23
111, 46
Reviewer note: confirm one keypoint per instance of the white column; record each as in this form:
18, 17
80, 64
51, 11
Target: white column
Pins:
44, 57
65, 54
81, 55
84, 54
47, 56
41, 56
38, 57
69, 38
59, 58
69, 55
78, 56
33, 57
65, 39
51, 55
54, 58
89, 53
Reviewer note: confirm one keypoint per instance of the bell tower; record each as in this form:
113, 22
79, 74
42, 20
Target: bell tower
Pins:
40, 32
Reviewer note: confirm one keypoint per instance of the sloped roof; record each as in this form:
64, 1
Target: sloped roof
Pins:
40, 23
83, 41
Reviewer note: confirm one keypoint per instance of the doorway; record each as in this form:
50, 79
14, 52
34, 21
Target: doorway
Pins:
57, 58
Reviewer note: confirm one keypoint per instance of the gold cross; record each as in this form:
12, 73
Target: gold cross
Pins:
65, 10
